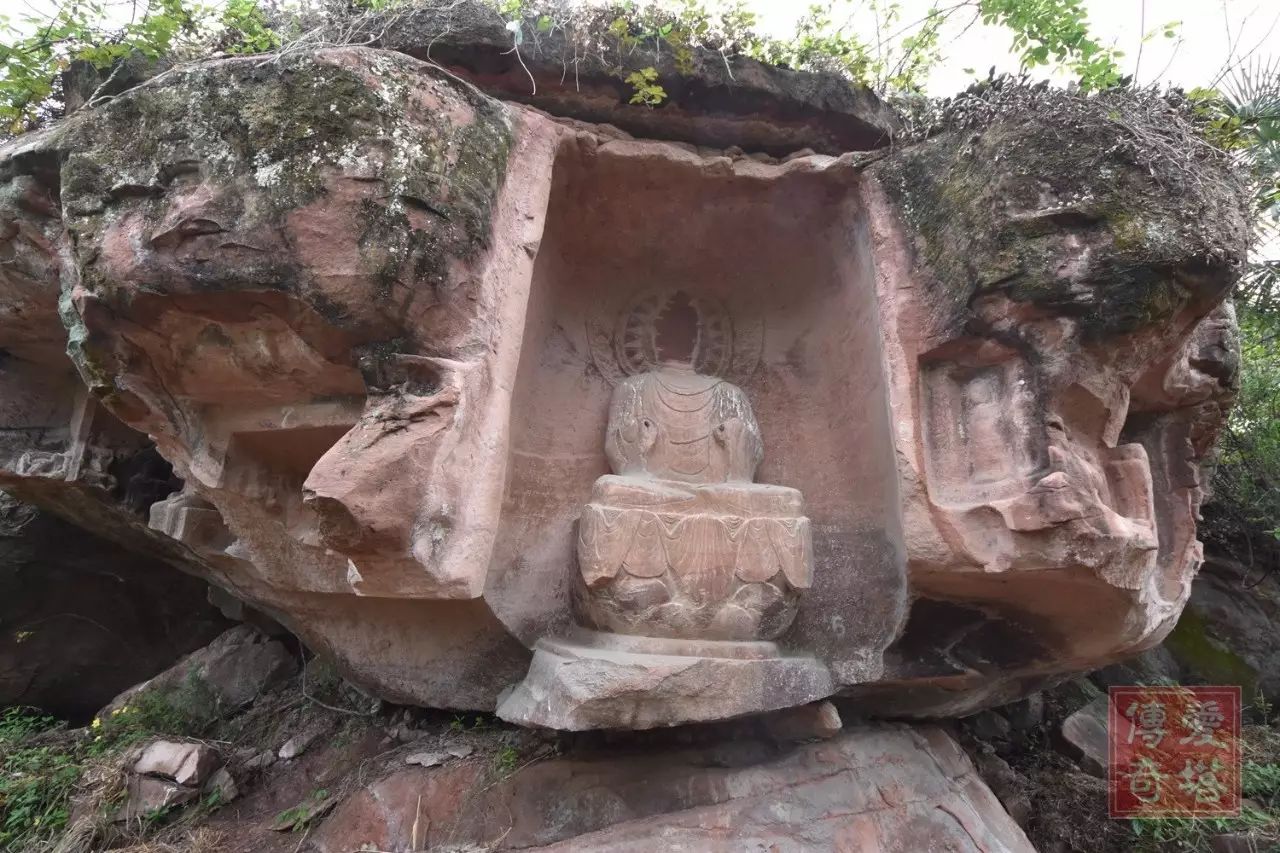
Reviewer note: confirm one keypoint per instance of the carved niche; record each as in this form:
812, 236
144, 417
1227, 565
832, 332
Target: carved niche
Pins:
683, 559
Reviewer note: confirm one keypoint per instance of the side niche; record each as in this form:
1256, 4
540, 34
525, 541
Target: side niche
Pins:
701, 490
980, 428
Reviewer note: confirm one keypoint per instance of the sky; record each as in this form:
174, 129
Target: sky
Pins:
1211, 32
1212, 35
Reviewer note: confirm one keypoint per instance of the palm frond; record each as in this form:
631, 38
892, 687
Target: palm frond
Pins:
1259, 287
1252, 90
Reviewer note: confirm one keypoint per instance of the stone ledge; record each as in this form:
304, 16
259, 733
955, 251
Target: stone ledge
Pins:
585, 684
717, 101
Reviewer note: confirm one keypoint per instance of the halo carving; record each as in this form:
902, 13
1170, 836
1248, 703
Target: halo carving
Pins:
623, 337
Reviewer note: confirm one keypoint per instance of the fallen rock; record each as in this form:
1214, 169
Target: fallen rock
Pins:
1025, 714
188, 764
168, 774
988, 725
243, 664
146, 796
427, 759
460, 750
222, 786
229, 673
1084, 734
871, 788
259, 761
302, 741
294, 747
1009, 786
1226, 635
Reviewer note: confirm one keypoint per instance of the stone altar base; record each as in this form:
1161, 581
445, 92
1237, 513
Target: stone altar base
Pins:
603, 681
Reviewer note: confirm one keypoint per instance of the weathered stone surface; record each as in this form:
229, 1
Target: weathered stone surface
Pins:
222, 786
83, 618
302, 741
230, 672
1227, 633
804, 722
375, 318
1008, 786
599, 681
1060, 364
1085, 736
168, 774
712, 99
881, 788
189, 764
148, 796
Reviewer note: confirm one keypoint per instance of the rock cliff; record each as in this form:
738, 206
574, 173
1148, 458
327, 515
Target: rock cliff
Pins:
373, 315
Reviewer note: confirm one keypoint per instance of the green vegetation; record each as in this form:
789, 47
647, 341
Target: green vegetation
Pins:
36, 49
506, 760
42, 763
632, 40
1259, 819
36, 780
1213, 660
1243, 517
298, 818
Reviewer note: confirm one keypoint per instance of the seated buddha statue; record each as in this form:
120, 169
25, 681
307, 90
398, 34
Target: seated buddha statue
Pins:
678, 541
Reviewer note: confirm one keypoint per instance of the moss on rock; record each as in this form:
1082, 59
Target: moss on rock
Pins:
1073, 204
247, 144
1207, 657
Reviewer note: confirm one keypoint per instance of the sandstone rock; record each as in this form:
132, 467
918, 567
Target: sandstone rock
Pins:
1085, 735
188, 764
222, 786
298, 744
1025, 714
818, 720
577, 687
876, 788
403, 734
713, 100
232, 671
375, 319
147, 796
1009, 786
1226, 635
259, 761
427, 759
988, 725
241, 665
169, 774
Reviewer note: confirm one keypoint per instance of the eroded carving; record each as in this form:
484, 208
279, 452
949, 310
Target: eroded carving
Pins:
679, 550
707, 335
679, 542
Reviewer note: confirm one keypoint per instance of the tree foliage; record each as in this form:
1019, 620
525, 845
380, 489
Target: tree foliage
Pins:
1245, 119
1244, 515
36, 49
